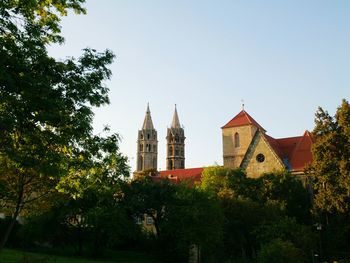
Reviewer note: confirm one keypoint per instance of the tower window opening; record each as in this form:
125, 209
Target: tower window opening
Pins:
170, 150
140, 163
237, 142
148, 136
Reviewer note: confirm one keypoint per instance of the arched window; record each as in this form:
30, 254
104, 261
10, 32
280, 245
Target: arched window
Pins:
237, 144
140, 163
170, 150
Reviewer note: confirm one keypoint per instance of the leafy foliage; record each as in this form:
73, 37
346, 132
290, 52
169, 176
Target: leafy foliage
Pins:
279, 251
331, 165
46, 106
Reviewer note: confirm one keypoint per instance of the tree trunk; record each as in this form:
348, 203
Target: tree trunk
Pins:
8, 231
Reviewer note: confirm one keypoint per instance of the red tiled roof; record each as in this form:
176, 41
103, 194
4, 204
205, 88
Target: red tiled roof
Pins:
241, 119
302, 155
297, 150
191, 174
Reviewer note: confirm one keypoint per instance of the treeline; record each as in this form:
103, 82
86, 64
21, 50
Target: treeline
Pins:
227, 217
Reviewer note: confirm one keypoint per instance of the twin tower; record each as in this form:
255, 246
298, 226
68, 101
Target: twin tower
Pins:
147, 145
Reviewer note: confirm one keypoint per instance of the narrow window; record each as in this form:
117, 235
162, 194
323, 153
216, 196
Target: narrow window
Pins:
154, 162
170, 151
237, 144
148, 136
141, 164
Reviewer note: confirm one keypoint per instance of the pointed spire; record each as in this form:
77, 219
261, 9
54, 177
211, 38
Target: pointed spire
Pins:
176, 122
147, 123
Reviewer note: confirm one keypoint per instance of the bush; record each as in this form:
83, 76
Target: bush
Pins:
278, 251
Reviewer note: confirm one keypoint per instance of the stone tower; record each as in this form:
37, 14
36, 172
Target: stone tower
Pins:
147, 145
237, 136
175, 145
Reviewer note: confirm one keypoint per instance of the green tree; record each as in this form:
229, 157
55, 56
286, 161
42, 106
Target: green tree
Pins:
277, 251
192, 219
331, 160
219, 180
288, 229
288, 191
146, 197
86, 200
45, 105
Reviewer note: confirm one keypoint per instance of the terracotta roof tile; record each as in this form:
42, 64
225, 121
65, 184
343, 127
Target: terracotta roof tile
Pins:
241, 119
191, 174
302, 155
297, 150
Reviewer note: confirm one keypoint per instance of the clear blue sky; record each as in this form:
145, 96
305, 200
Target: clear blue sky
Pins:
283, 58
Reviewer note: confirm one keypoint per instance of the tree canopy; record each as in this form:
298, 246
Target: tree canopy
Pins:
331, 165
46, 106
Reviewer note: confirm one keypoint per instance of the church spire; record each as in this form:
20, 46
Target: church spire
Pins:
175, 144
147, 145
147, 123
176, 122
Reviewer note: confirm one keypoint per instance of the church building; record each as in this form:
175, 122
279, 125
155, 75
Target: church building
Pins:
245, 145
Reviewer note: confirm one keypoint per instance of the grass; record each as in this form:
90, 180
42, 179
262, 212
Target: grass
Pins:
16, 256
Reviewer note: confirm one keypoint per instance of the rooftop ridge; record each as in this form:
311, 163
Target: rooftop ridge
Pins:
241, 119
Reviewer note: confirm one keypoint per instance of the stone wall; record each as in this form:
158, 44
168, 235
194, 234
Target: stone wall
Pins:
232, 155
261, 158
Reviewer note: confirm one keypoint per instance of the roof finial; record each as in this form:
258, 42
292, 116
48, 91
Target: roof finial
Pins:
242, 104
